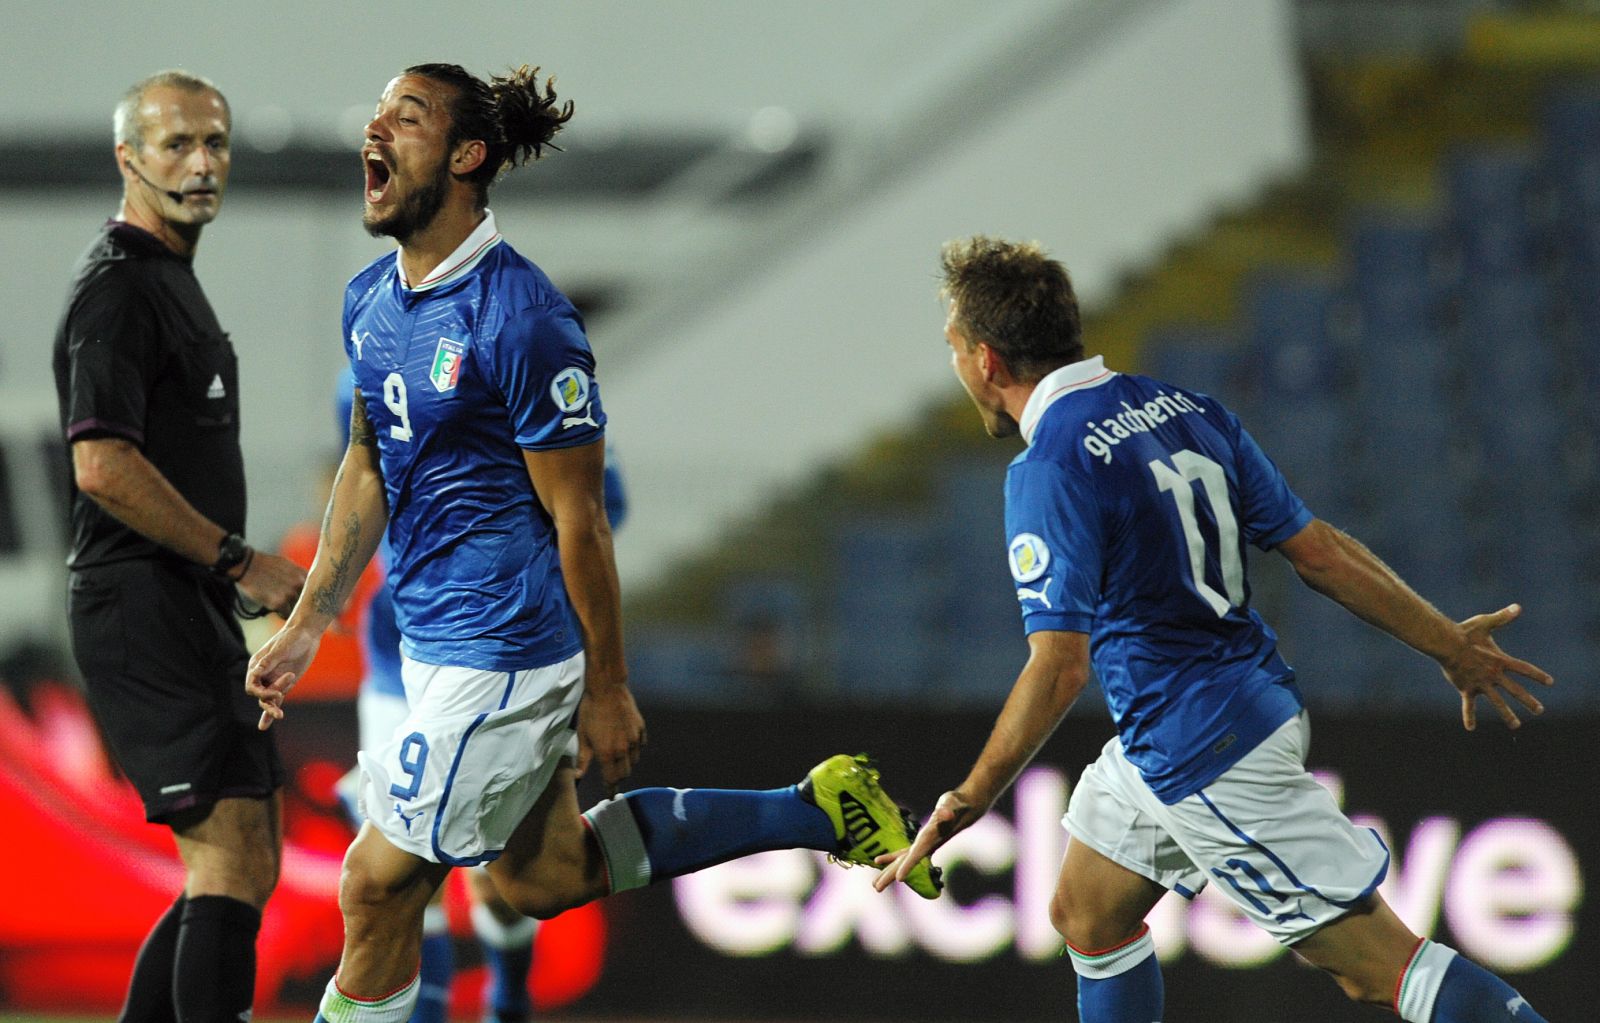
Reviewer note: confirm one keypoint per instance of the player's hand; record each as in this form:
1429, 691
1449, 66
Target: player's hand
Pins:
277, 666
952, 814
610, 730
272, 581
1481, 668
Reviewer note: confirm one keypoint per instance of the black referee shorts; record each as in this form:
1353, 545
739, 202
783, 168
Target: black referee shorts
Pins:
164, 661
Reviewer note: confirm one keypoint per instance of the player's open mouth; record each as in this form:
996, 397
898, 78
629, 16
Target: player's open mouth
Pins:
378, 175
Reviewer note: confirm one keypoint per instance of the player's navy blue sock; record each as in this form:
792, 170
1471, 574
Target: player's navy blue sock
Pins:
508, 950
214, 973
150, 987
508, 983
652, 834
438, 969
1439, 986
1121, 984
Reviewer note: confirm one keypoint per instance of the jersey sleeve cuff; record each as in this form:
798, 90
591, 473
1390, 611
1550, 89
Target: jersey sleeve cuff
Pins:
559, 441
1300, 520
103, 427
1057, 621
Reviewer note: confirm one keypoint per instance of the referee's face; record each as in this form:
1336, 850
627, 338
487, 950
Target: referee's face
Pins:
183, 160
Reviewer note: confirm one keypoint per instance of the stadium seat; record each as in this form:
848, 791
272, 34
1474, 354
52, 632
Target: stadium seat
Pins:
884, 623
1294, 334
1200, 359
678, 665
1309, 439
1494, 209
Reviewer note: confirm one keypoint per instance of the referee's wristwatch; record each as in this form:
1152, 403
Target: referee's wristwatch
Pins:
232, 552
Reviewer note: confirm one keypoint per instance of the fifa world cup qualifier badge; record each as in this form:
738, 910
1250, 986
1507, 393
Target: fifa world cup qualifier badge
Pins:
446, 371
570, 392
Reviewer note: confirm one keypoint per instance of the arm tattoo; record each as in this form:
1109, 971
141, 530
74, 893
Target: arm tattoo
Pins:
329, 598
361, 432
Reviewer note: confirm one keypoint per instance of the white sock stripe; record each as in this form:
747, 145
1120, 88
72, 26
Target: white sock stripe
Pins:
1420, 984
338, 1007
435, 921
620, 843
1115, 962
502, 936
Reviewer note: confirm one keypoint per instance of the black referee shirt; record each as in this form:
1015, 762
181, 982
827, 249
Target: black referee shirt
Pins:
139, 355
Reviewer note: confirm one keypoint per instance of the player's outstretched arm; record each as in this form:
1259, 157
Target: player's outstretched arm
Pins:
569, 483
1338, 566
352, 528
1056, 672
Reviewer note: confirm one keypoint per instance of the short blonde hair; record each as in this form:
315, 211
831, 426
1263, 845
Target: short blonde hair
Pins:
128, 127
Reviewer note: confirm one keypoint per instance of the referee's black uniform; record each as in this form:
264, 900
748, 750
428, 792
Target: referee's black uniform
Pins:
139, 355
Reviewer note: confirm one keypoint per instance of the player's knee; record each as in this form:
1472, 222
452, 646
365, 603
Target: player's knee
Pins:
1084, 924
363, 895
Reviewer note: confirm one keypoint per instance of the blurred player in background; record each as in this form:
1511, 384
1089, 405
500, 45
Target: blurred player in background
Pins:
148, 387
506, 935
476, 441
1121, 559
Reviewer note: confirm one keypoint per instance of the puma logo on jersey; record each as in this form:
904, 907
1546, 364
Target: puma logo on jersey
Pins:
587, 419
402, 815
1023, 593
216, 390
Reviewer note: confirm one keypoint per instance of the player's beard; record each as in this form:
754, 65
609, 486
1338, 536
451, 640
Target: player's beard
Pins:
414, 213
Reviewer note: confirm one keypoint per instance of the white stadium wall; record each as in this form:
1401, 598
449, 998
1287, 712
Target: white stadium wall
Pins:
781, 340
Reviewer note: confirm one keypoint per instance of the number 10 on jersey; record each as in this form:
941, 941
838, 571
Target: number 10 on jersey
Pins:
1177, 479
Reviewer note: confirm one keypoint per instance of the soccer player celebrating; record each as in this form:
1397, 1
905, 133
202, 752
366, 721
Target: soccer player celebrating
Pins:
476, 438
505, 935
1126, 517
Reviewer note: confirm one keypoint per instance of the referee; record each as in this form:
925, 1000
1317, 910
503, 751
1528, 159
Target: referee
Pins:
149, 398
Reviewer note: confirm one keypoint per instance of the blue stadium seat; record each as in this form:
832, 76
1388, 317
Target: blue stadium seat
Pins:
676, 664
1328, 649
1200, 359
1493, 208
885, 607
1386, 246
1309, 440
1293, 334
1506, 334
1570, 120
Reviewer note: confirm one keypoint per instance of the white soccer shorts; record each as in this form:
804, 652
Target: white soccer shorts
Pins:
473, 754
1266, 831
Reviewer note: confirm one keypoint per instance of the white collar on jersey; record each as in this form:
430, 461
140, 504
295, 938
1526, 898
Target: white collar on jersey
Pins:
1074, 376
466, 256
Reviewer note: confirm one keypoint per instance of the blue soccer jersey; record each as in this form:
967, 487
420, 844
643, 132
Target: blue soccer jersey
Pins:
1126, 518
460, 373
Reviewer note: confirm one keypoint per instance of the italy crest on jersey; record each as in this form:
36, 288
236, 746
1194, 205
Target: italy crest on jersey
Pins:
446, 364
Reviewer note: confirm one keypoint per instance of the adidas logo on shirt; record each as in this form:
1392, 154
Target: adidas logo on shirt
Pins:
216, 390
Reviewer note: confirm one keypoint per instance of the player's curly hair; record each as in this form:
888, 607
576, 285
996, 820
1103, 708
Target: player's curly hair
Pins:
1016, 299
510, 113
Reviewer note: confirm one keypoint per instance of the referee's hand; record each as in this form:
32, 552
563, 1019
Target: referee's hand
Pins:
272, 581
277, 666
